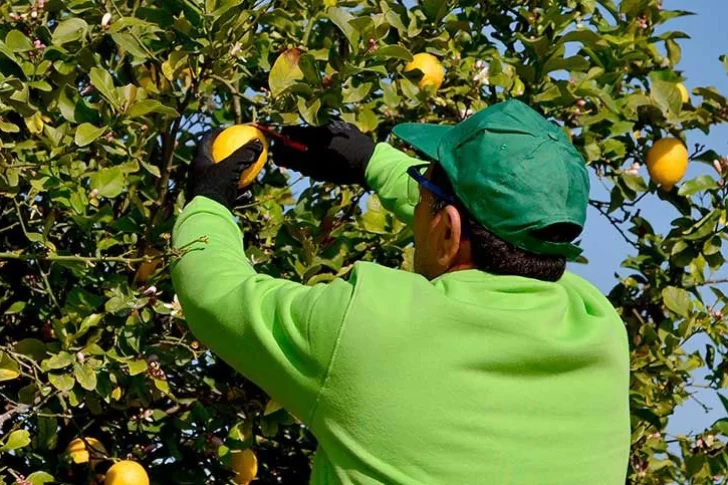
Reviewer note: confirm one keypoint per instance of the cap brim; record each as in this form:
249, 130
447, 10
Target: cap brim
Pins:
424, 137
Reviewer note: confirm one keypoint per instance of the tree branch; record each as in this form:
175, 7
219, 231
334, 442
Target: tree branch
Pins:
598, 206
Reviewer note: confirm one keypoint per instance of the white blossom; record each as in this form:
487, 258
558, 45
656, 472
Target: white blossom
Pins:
634, 169
175, 307
106, 20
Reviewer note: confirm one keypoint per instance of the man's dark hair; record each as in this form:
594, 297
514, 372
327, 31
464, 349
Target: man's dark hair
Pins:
496, 256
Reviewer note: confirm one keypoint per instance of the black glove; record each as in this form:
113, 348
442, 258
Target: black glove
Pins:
219, 181
337, 152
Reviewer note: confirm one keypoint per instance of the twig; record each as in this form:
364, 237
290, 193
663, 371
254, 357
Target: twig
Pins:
237, 110
717, 281
49, 289
9, 227
90, 260
705, 407
139, 41
614, 223
47, 283
309, 29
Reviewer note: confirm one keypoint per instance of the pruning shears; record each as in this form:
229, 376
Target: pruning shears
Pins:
281, 138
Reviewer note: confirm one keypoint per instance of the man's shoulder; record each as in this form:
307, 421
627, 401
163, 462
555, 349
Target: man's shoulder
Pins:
366, 271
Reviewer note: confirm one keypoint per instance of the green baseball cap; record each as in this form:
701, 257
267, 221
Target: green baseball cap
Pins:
514, 171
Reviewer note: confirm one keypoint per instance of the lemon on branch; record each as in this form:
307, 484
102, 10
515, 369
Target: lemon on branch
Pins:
126, 473
233, 138
432, 71
667, 162
79, 451
245, 465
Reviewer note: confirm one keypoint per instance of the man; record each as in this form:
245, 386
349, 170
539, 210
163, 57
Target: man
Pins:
489, 365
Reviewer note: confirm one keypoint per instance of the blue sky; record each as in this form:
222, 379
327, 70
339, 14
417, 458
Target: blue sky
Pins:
603, 246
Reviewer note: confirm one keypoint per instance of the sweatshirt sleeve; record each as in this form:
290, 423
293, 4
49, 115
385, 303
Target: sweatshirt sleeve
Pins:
279, 334
386, 174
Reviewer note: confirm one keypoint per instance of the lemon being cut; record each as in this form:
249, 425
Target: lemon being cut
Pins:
79, 451
667, 162
432, 71
126, 473
245, 464
233, 138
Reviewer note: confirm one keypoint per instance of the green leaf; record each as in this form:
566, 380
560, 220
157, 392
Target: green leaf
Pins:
87, 134
704, 227
635, 182
62, 382
16, 307
7, 127
89, 322
47, 432
147, 106
104, 83
723, 401
392, 52
69, 30
128, 43
163, 386
9, 369
41, 86
633, 7
285, 72
550, 94
677, 300
674, 53
110, 182
16, 440
18, 42
307, 64
137, 367
698, 184
31, 347
85, 376
357, 93
667, 97
58, 361
8, 53
341, 19
574, 63
435, 9
39, 478
309, 112
153, 169
722, 425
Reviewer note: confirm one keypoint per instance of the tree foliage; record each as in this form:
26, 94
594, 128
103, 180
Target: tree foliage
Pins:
100, 103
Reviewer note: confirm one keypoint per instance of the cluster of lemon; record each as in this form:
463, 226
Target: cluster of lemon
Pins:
667, 159
126, 472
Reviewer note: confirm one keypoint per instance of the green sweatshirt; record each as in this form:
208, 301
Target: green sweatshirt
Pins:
467, 379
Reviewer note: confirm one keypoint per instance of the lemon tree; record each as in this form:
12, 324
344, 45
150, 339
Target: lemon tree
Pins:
100, 104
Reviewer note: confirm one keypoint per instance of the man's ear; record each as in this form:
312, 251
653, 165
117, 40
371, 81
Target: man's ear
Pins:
449, 231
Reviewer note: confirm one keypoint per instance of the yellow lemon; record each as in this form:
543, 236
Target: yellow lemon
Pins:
80, 452
684, 94
233, 138
126, 473
245, 464
667, 162
432, 71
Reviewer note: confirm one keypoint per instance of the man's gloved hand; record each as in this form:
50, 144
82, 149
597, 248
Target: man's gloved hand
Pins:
337, 152
219, 181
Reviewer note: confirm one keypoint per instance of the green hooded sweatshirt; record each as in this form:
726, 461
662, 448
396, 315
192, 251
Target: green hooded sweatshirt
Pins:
470, 378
